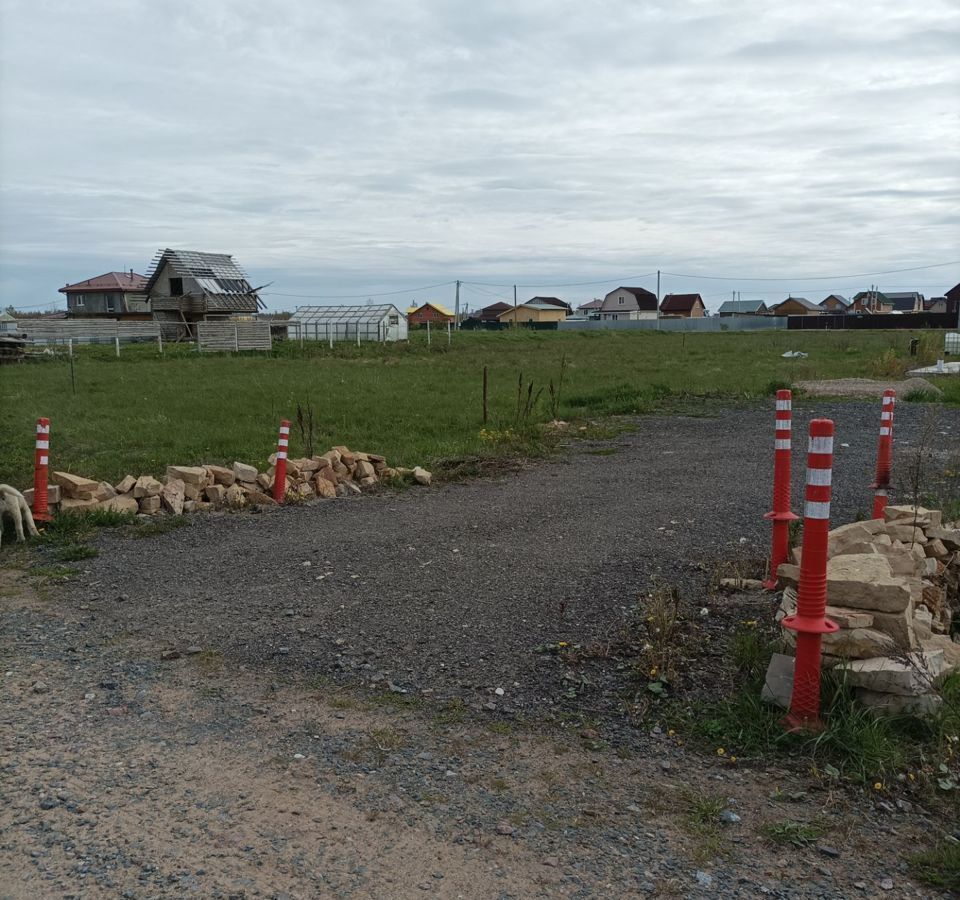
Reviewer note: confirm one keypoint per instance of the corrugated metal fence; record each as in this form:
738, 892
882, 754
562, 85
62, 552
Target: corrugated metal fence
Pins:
707, 324
86, 331
224, 337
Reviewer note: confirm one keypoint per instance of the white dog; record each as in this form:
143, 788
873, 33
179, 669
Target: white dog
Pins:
14, 505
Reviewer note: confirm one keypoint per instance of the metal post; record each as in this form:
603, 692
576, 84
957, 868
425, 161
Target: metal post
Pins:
280, 465
884, 454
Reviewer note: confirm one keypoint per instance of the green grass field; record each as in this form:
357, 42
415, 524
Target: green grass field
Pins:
412, 403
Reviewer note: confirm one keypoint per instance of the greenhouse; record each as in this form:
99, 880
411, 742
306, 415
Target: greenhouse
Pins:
347, 323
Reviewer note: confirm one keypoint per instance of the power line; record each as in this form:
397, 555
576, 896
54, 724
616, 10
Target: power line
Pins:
565, 283
426, 287
811, 277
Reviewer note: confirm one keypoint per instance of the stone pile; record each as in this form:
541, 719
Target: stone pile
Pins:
892, 587
339, 472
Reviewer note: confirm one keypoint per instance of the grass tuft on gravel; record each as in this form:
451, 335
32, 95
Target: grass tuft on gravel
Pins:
800, 834
939, 866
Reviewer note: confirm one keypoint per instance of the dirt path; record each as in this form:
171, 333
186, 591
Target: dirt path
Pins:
271, 757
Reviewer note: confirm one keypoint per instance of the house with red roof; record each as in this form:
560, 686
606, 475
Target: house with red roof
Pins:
115, 294
682, 306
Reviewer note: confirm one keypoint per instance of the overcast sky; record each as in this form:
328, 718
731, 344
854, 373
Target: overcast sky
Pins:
357, 147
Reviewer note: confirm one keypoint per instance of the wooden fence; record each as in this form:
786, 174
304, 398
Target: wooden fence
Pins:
86, 331
224, 337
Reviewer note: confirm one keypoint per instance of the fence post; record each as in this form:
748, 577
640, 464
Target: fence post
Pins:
160, 341
330, 335
236, 337
428, 332
41, 462
781, 515
280, 466
884, 454
484, 395
448, 334
117, 344
810, 621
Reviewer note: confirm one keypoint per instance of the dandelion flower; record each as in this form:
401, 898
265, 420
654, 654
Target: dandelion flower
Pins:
878, 786
720, 751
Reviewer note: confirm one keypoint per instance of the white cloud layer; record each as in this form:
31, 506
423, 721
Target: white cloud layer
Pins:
345, 146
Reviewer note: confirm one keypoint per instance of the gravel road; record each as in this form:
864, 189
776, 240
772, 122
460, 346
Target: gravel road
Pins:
451, 589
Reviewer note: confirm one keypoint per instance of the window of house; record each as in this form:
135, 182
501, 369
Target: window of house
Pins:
78, 300
176, 287
110, 303
620, 299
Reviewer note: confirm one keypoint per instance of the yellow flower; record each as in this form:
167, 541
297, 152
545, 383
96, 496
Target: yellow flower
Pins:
653, 671
720, 751
910, 775
671, 733
733, 759
878, 786
562, 644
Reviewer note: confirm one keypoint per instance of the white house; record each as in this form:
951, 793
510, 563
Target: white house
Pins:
628, 303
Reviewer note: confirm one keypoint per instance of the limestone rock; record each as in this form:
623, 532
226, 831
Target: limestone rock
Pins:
322, 462
221, 475
860, 547
192, 491
324, 487
188, 474
778, 684
899, 625
123, 503
149, 504
347, 457
949, 537
172, 496
147, 486
913, 515
898, 704
72, 504
850, 618
189, 505
265, 481
364, 470
858, 643
330, 475
369, 481
216, 493
350, 487
864, 581
947, 646
907, 534
243, 472
235, 496
901, 560
936, 548
846, 535
253, 496
74, 487
126, 485
421, 475
106, 491
891, 676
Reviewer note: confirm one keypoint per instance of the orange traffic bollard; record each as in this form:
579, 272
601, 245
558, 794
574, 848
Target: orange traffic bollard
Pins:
781, 514
810, 621
280, 466
884, 454
41, 462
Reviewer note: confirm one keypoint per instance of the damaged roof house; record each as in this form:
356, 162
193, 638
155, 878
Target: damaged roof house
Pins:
185, 287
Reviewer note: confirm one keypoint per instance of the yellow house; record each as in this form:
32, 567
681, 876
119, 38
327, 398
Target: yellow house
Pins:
532, 312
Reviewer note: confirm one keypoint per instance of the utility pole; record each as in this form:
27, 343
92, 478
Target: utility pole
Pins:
456, 308
658, 299
514, 300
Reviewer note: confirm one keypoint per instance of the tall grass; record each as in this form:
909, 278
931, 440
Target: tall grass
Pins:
415, 404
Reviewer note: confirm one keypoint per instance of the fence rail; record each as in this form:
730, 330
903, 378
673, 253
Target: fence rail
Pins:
225, 337
707, 324
86, 331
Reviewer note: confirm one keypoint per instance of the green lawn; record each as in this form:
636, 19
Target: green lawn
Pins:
412, 403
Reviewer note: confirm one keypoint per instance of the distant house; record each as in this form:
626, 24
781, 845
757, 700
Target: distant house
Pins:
492, 312
434, 313
743, 308
835, 304
532, 312
185, 287
685, 306
115, 294
904, 301
796, 306
936, 305
590, 309
8, 324
553, 301
629, 303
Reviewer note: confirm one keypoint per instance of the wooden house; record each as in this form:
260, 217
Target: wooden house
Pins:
743, 308
683, 306
533, 312
796, 306
185, 287
835, 304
